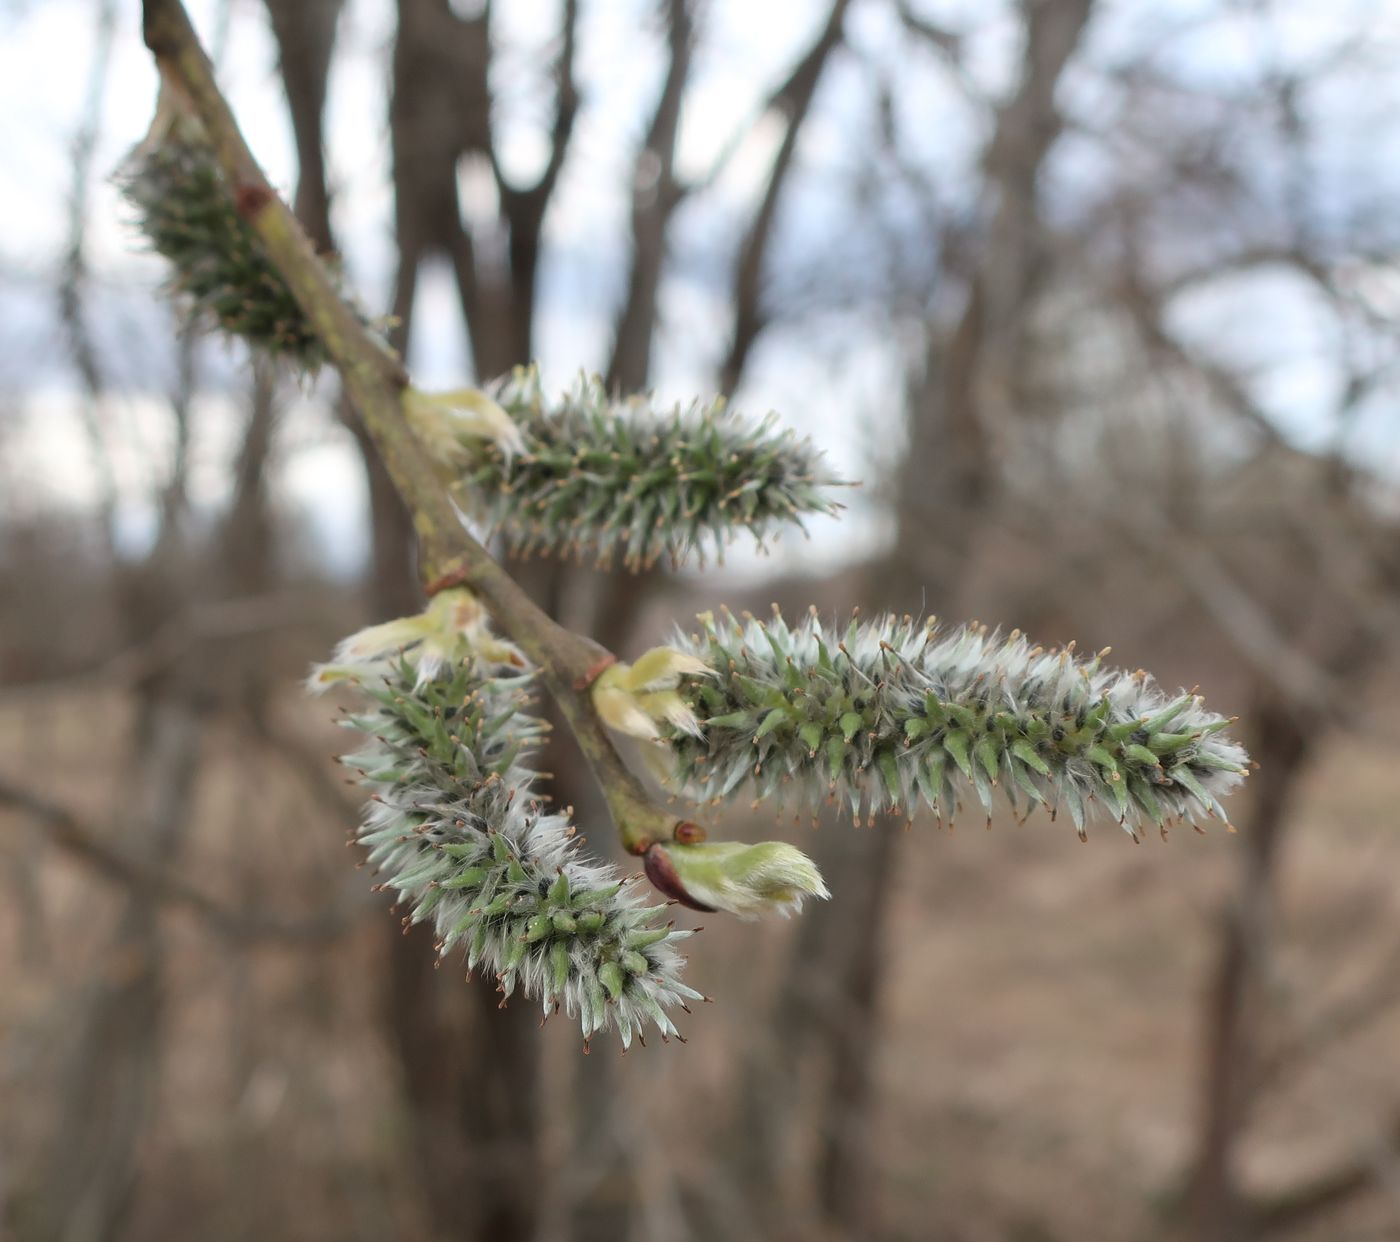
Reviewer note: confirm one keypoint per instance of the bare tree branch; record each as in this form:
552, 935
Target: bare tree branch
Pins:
305, 32
200, 623
1251, 629
83, 843
793, 99
1147, 314
72, 287
1312, 1034
525, 209
655, 196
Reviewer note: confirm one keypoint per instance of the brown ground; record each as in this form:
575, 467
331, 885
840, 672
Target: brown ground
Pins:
1043, 1005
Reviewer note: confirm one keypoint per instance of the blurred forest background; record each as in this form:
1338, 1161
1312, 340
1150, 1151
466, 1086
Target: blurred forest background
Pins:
1099, 298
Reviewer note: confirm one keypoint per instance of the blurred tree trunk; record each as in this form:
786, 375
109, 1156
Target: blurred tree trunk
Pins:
829, 1011
1288, 730
248, 566
305, 31
1282, 749
469, 1071
84, 1185
601, 1123
1286, 736
86, 1188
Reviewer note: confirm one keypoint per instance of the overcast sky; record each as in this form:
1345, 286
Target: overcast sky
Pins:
831, 378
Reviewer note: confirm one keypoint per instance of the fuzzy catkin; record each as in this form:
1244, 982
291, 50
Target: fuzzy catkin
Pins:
455, 828
621, 480
187, 212
895, 712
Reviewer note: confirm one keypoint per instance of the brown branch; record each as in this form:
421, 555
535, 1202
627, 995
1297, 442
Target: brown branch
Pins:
83, 843
794, 99
1362, 1006
1147, 315
202, 622
305, 32
374, 379
655, 196
1368, 1170
74, 280
524, 209
1298, 681
566, 107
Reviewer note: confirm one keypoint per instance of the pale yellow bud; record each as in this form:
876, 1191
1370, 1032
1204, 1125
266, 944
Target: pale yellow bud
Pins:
661, 668
447, 423
620, 709
669, 706
635, 698
453, 628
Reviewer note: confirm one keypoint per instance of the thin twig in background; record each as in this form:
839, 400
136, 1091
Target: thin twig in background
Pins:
80, 841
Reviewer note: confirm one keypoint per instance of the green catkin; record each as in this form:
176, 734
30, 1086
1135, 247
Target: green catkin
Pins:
893, 713
621, 480
188, 214
454, 827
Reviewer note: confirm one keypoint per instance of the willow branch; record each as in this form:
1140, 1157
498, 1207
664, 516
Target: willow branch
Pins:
374, 379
